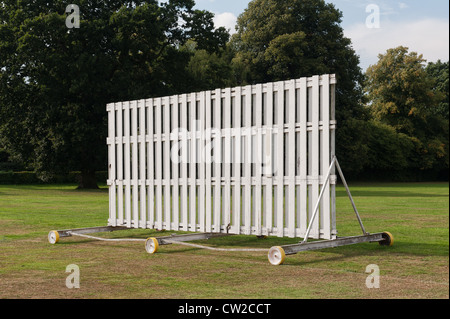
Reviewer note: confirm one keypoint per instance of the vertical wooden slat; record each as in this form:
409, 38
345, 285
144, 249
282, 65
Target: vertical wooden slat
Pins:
303, 199
280, 159
201, 163
158, 168
127, 163
217, 160
258, 161
166, 163
332, 154
268, 160
237, 163
184, 160
291, 159
325, 222
192, 164
142, 164
247, 200
112, 164
315, 153
175, 165
150, 164
119, 126
208, 160
134, 158
227, 158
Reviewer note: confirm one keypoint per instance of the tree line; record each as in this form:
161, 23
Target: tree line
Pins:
55, 82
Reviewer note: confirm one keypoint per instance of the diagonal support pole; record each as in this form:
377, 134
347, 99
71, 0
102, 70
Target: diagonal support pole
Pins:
316, 209
334, 162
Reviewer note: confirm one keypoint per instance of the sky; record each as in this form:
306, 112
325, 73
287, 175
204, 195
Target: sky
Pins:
422, 26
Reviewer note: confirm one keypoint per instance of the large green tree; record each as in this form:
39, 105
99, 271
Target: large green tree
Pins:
283, 39
404, 96
55, 82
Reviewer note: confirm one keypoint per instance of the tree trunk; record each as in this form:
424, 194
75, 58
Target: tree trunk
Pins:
87, 180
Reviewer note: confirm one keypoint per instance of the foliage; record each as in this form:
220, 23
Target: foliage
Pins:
55, 82
404, 96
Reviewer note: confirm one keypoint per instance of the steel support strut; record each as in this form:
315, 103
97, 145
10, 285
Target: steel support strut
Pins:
334, 163
277, 254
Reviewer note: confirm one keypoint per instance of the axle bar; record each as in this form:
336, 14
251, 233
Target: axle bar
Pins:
343, 241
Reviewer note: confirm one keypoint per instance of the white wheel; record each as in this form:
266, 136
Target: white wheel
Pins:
151, 245
276, 255
53, 237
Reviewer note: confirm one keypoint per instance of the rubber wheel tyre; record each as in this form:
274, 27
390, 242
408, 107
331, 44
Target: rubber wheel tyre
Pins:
53, 237
151, 245
388, 239
276, 255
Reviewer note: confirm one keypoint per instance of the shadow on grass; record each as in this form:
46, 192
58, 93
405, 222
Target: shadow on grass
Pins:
385, 193
410, 249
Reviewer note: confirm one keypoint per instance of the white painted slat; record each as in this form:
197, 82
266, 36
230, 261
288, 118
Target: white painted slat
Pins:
280, 160
184, 160
217, 161
166, 163
119, 155
142, 168
226, 200
290, 198
207, 159
134, 166
192, 164
268, 160
325, 221
332, 154
175, 165
303, 150
201, 165
158, 166
127, 162
236, 210
112, 164
315, 153
257, 200
150, 164
247, 200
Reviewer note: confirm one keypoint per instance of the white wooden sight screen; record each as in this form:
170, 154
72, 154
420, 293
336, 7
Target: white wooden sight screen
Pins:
245, 160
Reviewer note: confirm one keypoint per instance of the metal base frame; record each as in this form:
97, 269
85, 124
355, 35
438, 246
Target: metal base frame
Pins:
91, 230
343, 241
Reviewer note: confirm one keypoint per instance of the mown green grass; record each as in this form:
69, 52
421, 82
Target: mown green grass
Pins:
417, 214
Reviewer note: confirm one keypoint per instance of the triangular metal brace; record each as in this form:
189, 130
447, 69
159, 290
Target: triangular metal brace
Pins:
334, 163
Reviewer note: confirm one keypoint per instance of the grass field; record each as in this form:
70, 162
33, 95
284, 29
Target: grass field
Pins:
415, 267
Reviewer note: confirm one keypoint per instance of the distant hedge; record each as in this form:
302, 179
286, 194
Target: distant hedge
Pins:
16, 178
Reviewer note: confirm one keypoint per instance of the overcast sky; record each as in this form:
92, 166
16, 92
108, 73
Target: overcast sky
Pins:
423, 26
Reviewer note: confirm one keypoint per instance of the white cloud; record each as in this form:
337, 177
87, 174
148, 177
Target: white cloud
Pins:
429, 37
403, 5
227, 20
